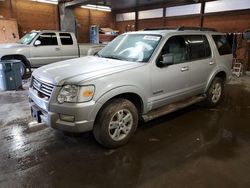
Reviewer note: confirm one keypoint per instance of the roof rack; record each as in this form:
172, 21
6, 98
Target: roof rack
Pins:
160, 28
181, 28
184, 28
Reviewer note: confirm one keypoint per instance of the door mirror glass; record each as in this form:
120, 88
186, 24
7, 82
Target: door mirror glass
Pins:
167, 59
37, 43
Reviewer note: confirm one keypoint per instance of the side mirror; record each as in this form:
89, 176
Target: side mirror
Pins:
37, 43
167, 59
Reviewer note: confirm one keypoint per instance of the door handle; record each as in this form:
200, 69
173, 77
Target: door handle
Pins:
211, 62
184, 69
57, 49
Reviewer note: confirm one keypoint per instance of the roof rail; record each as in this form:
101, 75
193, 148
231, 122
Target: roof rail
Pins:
181, 28
184, 28
160, 28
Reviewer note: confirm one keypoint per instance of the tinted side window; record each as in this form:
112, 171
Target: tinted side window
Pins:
66, 39
199, 47
176, 46
222, 44
48, 39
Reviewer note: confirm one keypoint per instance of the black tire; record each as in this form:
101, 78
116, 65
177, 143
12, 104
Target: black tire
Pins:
215, 93
122, 130
26, 70
23, 69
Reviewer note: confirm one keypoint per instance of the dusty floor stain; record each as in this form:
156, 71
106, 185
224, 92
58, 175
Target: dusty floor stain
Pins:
194, 147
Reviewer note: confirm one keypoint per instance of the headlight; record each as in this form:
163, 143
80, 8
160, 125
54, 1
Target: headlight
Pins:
73, 94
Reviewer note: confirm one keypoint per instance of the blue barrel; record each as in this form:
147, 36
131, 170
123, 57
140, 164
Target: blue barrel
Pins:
10, 75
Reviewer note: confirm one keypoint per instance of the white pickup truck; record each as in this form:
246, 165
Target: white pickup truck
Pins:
39, 48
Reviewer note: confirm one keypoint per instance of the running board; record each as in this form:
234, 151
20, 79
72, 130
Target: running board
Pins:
171, 108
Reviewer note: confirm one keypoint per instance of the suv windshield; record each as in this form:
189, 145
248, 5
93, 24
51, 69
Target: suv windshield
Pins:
28, 38
131, 47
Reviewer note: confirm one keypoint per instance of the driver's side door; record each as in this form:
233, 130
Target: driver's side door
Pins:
171, 83
48, 51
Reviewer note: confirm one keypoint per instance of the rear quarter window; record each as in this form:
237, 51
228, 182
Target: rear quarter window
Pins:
222, 44
66, 39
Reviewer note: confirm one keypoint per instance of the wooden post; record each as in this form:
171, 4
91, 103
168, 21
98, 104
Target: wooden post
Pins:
202, 13
247, 55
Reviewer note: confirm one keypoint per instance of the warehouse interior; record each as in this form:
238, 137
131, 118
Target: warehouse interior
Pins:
192, 147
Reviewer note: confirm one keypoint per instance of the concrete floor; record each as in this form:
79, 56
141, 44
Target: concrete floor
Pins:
195, 147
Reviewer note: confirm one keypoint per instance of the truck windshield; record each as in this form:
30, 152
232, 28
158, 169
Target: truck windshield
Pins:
28, 38
131, 47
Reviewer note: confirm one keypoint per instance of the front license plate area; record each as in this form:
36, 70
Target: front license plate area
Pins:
36, 114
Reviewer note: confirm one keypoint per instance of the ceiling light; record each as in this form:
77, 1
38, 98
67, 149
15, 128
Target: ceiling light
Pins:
97, 7
55, 2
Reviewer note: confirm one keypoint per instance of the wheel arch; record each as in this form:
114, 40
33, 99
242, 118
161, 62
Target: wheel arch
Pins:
23, 59
17, 57
132, 96
221, 74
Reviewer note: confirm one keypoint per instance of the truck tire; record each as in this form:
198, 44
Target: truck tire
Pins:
215, 93
25, 69
116, 123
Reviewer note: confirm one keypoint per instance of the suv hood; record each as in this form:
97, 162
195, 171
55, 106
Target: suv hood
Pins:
82, 69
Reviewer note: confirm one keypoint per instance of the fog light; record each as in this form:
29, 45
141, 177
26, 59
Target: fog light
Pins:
67, 118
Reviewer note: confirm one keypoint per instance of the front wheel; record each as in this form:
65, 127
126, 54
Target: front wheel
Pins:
215, 92
116, 123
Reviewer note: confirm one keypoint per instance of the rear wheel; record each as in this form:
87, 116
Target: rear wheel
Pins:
215, 92
116, 123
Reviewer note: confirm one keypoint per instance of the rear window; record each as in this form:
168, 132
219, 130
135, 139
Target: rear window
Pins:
66, 39
222, 44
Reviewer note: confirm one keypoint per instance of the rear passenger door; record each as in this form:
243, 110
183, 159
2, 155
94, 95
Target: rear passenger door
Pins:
201, 62
69, 48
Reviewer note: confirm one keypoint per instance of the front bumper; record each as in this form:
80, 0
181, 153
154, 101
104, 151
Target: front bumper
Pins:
84, 113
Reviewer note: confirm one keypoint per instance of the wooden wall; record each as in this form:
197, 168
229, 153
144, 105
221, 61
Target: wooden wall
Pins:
30, 15
229, 22
8, 31
225, 22
5, 8
33, 15
85, 18
124, 26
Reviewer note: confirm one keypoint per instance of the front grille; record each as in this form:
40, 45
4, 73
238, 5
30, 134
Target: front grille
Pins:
44, 89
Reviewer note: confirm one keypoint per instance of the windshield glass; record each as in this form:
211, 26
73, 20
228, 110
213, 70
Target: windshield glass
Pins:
131, 47
28, 38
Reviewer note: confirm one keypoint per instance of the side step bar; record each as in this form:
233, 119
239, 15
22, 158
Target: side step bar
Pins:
171, 108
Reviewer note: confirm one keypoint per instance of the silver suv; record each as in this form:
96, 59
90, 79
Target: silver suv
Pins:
139, 75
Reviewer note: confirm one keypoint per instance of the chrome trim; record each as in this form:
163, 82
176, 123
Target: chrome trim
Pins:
42, 87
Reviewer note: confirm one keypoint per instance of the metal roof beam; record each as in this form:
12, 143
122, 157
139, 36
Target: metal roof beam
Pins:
78, 3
